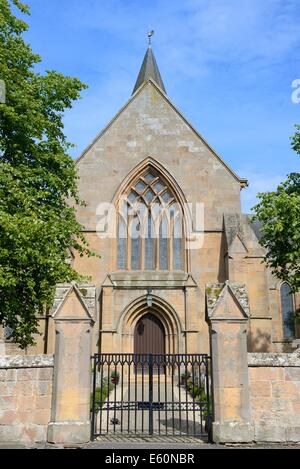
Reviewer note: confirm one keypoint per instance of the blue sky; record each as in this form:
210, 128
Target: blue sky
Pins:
228, 65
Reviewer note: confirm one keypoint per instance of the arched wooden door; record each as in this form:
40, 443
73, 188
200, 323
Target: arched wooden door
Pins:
149, 336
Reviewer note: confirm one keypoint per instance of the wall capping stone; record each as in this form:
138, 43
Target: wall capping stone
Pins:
274, 359
27, 361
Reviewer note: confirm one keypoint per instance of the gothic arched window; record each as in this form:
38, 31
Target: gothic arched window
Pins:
287, 311
150, 226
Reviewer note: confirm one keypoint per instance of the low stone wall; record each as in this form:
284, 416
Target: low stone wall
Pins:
275, 396
25, 397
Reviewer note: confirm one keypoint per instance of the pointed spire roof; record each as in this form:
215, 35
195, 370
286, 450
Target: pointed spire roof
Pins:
149, 69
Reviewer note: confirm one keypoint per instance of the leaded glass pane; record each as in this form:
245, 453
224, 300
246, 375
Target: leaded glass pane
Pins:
149, 177
177, 245
122, 245
177, 254
158, 186
287, 309
163, 245
167, 197
141, 186
135, 244
149, 196
149, 246
175, 211
135, 254
132, 197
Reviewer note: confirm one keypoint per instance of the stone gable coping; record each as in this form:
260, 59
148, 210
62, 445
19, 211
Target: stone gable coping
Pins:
215, 293
239, 225
243, 182
29, 361
87, 294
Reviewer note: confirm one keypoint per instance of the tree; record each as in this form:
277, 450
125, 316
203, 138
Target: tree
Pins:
37, 178
279, 213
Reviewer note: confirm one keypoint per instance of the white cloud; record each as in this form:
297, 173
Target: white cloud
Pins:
194, 33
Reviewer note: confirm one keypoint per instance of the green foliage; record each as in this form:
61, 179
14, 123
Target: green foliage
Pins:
101, 395
194, 390
37, 178
296, 140
199, 395
279, 213
207, 408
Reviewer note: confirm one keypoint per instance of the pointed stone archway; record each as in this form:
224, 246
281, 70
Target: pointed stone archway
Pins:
162, 314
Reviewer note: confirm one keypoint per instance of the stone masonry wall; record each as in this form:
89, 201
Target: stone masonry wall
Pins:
25, 397
275, 396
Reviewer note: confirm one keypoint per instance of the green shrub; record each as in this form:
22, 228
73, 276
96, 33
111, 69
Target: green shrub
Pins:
202, 398
101, 395
194, 390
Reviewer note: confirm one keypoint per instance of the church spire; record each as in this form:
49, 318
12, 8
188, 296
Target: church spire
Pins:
149, 69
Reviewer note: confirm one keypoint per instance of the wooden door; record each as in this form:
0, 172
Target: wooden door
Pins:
149, 335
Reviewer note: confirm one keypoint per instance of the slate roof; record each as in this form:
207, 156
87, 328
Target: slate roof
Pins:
256, 227
242, 225
149, 69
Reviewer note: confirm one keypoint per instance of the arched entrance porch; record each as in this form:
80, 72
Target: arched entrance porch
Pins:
161, 320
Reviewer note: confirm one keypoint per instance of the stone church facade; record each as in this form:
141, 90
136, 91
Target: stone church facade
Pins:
164, 212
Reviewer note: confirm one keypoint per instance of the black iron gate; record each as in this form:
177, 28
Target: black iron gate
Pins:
137, 394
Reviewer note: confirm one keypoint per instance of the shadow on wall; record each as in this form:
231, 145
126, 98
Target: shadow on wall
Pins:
223, 261
259, 341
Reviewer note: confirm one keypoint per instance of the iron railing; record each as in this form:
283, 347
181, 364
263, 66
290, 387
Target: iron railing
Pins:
145, 394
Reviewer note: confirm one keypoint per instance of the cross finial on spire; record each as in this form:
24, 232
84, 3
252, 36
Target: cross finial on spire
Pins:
150, 34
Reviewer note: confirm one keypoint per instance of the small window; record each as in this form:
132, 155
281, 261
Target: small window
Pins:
287, 311
8, 331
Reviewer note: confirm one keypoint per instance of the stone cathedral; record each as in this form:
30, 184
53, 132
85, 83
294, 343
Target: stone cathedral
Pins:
164, 212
